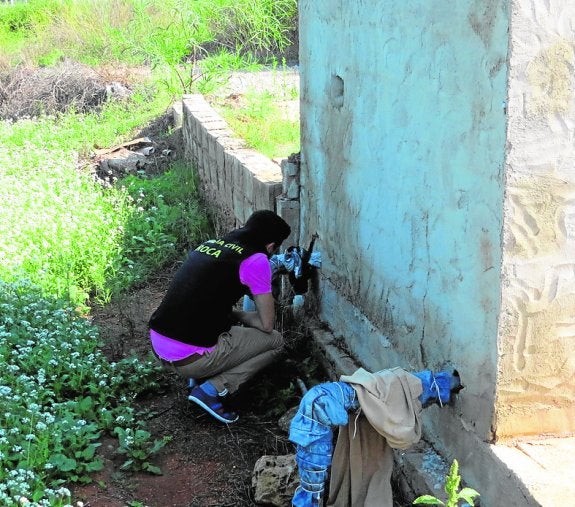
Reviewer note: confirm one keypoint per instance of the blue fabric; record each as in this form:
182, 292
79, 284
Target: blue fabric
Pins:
249, 304
327, 405
436, 386
322, 407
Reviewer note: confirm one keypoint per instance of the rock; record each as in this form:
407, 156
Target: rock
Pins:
118, 162
127, 162
275, 479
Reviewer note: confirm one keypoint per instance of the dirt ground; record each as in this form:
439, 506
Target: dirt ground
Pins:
206, 464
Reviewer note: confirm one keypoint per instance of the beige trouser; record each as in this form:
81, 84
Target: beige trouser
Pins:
239, 355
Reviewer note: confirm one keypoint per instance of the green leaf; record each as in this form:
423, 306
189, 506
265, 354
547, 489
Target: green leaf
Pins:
87, 453
63, 463
121, 437
127, 464
453, 479
427, 500
85, 404
94, 466
152, 469
85, 479
142, 435
159, 444
468, 494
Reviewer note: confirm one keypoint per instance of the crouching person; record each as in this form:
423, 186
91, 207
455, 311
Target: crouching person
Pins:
196, 331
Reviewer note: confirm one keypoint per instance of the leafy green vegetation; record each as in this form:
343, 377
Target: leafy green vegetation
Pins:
62, 231
264, 124
141, 32
138, 446
59, 395
164, 221
66, 233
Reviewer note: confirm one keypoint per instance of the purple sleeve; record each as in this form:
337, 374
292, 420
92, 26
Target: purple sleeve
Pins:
256, 273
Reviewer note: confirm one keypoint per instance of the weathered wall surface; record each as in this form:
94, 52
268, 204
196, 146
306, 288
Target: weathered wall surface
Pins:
403, 144
536, 385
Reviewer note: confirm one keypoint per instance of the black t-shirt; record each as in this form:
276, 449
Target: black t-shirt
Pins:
198, 304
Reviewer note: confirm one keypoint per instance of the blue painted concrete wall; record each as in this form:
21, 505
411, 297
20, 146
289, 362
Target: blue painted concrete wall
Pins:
403, 148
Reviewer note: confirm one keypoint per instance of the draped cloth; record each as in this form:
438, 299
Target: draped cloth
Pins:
362, 461
375, 412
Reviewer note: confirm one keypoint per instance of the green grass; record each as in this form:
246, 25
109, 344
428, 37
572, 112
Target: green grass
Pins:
67, 234
80, 133
164, 221
191, 46
263, 124
143, 31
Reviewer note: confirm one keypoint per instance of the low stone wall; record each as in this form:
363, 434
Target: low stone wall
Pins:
235, 180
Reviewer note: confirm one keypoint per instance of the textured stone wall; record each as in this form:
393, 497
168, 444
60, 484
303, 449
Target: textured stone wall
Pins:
236, 181
536, 384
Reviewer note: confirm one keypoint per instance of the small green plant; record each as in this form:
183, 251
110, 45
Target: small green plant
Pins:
452, 482
164, 221
138, 32
137, 445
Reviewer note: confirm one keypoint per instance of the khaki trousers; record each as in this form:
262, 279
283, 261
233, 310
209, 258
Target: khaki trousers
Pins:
239, 354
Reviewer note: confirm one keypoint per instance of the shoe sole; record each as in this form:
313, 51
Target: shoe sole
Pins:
210, 411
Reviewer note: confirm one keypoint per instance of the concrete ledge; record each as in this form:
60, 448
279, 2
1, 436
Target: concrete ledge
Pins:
336, 361
420, 471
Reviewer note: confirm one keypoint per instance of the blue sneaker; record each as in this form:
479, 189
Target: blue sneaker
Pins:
212, 405
192, 382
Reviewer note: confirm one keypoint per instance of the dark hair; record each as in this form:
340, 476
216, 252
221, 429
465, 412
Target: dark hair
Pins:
265, 227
